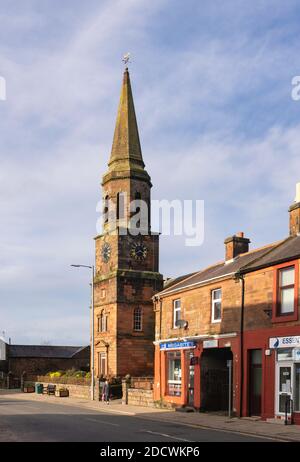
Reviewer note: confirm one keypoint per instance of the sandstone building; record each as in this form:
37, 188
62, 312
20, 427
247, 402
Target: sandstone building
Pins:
127, 274
242, 312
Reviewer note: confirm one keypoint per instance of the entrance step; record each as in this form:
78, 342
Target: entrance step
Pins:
277, 420
253, 418
185, 409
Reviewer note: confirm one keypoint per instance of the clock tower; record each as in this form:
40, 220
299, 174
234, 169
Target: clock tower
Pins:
127, 274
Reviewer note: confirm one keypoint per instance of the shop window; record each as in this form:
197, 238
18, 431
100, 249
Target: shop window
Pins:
216, 301
174, 373
284, 354
176, 313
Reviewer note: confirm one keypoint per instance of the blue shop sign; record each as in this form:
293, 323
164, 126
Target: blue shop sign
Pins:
177, 345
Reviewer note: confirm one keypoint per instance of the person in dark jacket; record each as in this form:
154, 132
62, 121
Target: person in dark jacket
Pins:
106, 390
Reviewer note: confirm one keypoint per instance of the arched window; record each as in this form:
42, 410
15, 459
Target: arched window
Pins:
106, 209
138, 198
120, 206
137, 319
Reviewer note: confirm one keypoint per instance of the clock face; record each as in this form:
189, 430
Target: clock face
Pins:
105, 252
139, 251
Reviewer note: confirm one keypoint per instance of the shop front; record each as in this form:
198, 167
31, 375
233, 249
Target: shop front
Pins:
178, 362
287, 376
197, 373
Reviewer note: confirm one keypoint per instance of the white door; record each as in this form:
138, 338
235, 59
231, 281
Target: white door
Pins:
284, 385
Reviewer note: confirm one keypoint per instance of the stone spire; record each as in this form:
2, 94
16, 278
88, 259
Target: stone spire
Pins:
126, 158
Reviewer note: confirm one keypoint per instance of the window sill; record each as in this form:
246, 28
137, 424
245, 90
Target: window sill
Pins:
285, 318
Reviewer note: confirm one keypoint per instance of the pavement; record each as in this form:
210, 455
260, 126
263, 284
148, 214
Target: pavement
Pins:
33, 417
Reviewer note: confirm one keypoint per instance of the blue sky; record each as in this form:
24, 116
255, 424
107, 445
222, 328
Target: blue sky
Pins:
212, 88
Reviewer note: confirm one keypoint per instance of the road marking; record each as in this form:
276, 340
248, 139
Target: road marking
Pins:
102, 421
111, 411
167, 436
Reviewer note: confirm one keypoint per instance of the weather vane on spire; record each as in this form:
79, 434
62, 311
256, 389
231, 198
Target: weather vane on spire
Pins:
126, 58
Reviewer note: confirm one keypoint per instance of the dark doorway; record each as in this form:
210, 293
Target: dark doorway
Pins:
215, 379
255, 382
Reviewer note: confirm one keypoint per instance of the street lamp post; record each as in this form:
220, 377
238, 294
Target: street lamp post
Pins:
92, 327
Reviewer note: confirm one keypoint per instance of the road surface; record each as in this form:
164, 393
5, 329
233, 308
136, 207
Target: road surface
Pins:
32, 421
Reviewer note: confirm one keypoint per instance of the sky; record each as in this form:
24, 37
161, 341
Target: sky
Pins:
212, 89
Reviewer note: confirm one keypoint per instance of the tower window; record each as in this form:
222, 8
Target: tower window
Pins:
137, 319
106, 209
102, 322
138, 198
120, 206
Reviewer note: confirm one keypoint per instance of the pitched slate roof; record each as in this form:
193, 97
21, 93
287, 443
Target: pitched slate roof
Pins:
288, 249
218, 270
170, 282
43, 351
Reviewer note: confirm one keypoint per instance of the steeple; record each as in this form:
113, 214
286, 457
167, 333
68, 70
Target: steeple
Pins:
126, 158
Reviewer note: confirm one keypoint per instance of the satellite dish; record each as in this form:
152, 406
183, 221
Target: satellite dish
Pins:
181, 323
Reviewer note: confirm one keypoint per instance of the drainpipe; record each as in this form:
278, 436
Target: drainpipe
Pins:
241, 278
160, 371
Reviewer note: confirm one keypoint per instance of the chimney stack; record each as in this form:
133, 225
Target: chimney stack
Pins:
235, 245
294, 211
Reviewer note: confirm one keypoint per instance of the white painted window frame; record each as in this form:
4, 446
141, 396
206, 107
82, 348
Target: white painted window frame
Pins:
213, 302
175, 311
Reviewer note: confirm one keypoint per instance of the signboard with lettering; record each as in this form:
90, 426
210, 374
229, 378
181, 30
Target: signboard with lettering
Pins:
284, 342
210, 344
177, 345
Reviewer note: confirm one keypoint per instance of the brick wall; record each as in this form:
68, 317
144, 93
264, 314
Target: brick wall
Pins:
196, 309
259, 297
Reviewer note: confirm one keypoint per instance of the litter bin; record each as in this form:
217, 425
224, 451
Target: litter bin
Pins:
39, 388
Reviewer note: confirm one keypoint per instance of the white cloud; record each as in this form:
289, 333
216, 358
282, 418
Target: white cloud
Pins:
193, 105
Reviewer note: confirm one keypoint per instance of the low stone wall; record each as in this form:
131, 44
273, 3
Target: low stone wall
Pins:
140, 397
75, 391
146, 383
